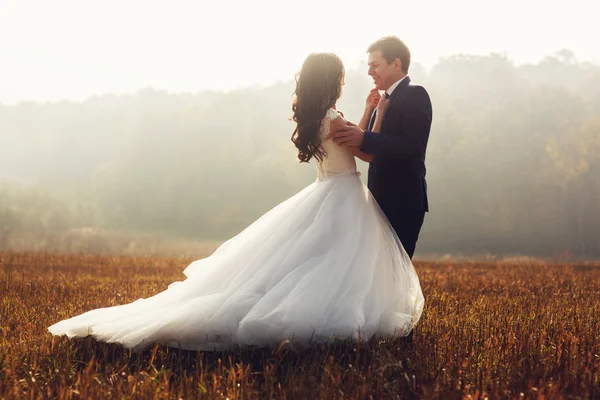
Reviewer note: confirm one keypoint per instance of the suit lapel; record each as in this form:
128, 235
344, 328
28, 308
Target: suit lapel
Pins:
400, 93
396, 100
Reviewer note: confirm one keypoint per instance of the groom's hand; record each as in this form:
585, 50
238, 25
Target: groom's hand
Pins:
349, 135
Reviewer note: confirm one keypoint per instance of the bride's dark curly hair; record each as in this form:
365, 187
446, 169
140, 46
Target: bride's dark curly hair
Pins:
318, 86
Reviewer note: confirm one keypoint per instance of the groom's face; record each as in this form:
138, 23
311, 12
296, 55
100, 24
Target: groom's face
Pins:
383, 73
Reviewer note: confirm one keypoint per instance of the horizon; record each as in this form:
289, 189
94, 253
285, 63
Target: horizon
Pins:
253, 85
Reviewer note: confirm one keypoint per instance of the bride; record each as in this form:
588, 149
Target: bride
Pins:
323, 265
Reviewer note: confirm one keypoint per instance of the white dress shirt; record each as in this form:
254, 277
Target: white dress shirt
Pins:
395, 85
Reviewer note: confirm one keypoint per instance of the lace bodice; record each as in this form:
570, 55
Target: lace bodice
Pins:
337, 160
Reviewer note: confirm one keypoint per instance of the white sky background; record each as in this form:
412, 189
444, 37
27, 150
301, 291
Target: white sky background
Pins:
71, 49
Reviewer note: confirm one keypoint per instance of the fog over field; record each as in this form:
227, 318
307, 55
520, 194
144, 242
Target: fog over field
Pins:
133, 126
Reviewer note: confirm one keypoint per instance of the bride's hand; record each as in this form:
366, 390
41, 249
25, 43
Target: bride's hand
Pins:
373, 99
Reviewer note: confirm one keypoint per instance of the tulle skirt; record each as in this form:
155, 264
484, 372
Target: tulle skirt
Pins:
323, 265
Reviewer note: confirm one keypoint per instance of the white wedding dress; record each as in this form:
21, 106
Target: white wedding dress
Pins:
322, 265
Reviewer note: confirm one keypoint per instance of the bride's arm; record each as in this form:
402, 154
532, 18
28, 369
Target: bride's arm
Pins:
364, 121
377, 123
372, 101
382, 108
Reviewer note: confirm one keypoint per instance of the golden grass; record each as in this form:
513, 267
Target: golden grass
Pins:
521, 329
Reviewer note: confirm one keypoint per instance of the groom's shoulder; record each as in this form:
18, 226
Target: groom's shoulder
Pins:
415, 86
417, 89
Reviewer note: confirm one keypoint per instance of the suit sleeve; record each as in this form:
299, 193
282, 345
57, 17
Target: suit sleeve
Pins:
412, 139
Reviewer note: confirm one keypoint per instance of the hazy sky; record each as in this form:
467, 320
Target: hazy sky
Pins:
70, 49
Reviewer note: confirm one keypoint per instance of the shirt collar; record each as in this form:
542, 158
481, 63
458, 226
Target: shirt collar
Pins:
394, 86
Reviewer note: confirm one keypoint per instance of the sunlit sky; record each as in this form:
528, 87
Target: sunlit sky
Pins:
71, 49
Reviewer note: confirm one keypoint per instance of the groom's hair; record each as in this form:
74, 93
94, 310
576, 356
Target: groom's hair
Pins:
391, 48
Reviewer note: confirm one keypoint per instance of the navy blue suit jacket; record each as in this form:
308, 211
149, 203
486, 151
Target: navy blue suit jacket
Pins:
397, 171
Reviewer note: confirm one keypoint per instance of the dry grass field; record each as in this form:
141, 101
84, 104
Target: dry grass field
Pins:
511, 329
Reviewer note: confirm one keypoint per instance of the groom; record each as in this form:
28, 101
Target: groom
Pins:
397, 169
